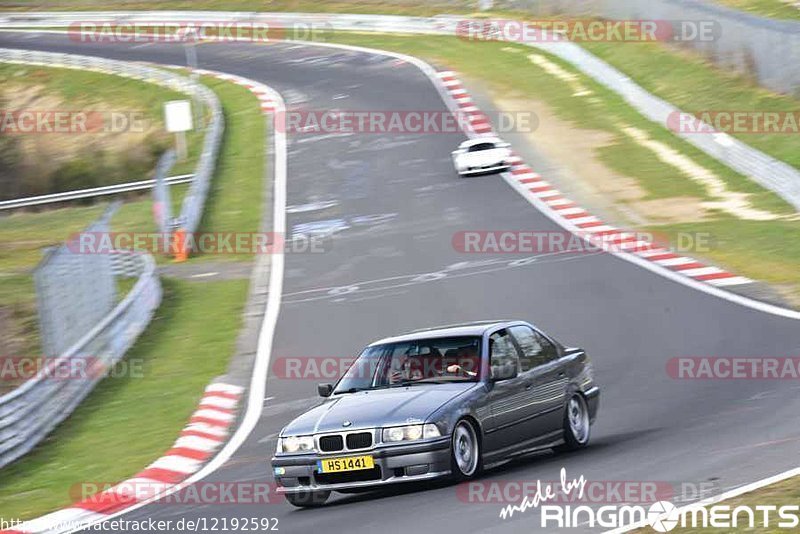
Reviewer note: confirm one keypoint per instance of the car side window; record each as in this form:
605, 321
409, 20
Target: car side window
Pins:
502, 352
536, 349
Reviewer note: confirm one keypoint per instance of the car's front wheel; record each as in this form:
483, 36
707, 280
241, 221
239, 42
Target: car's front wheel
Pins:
307, 499
465, 451
577, 428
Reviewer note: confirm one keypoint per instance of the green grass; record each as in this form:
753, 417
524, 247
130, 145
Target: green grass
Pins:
786, 493
694, 85
128, 421
342, 6
23, 235
232, 206
776, 9
95, 162
188, 343
764, 250
779, 9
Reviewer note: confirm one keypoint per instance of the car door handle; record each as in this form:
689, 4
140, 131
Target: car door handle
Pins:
528, 385
562, 374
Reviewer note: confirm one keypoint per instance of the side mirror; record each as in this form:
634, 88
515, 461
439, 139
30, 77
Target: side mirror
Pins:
324, 390
503, 372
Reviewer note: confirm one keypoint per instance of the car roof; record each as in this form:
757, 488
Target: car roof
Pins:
478, 140
475, 328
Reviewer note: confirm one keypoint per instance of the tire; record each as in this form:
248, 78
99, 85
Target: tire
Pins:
307, 499
465, 451
577, 428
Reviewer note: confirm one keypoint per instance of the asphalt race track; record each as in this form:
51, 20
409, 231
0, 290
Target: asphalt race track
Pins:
398, 203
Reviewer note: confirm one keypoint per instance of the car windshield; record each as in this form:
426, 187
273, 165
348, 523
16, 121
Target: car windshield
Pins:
421, 361
481, 146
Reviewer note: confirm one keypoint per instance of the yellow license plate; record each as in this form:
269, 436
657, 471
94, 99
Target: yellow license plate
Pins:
351, 463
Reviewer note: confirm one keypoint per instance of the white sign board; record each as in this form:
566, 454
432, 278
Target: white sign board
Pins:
178, 115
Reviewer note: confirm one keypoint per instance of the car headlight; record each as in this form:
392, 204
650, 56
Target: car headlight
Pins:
296, 444
410, 433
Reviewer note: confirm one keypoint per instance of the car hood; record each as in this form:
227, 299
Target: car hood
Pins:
484, 157
377, 408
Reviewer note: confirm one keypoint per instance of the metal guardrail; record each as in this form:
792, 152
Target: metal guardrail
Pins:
769, 172
194, 200
765, 49
76, 291
79, 194
31, 411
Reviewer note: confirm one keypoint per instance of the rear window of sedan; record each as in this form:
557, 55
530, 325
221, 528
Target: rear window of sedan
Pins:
481, 146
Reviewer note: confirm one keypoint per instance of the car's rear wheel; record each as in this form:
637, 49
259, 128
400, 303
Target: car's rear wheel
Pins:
577, 428
307, 499
465, 451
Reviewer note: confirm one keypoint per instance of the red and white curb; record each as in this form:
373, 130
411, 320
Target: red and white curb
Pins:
206, 432
264, 94
573, 217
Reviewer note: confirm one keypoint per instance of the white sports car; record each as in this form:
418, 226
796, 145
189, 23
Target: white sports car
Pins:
484, 155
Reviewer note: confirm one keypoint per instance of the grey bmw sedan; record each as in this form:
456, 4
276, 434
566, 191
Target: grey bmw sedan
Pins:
440, 402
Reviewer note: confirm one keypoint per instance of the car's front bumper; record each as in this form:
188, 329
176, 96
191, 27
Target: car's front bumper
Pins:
485, 170
393, 463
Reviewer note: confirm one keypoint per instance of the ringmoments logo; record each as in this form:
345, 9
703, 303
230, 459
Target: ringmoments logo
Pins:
663, 516
564, 504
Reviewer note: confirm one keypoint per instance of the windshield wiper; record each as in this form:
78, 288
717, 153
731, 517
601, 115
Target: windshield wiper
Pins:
356, 390
416, 382
351, 390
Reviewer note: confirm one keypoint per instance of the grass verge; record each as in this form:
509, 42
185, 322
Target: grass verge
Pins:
786, 493
120, 140
188, 343
776, 9
433, 7
128, 421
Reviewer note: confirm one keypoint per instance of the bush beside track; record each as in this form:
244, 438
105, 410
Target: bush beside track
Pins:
38, 164
188, 342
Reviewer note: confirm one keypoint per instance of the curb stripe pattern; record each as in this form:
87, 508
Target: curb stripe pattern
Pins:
572, 215
197, 443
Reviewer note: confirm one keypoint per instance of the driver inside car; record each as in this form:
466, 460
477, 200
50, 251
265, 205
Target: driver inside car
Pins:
467, 362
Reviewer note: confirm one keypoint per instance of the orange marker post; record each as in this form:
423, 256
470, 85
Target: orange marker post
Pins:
181, 251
